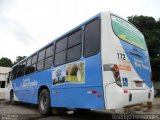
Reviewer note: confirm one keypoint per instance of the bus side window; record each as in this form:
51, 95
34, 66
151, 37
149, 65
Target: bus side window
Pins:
61, 45
28, 66
33, 64
74, 46
61, 51
49, 57
21, 68
92, 38
14, 73
41, 57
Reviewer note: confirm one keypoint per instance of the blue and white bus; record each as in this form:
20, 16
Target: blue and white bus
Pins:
101, 64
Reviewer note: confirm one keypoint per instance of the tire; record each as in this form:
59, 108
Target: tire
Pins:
12, 102
82, 111
44, 102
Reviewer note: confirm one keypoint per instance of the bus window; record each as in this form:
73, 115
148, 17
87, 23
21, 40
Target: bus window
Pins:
41, 56
49, 51
60, 58
74, 46
61, 45
125, 31
74, 53
33, 66
75, 39
49, 57
21, 67
28, 66
60, 54
92, 38
48, 62
14, 72
34, 59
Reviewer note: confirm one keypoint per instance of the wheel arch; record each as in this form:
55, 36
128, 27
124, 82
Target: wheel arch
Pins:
41, 88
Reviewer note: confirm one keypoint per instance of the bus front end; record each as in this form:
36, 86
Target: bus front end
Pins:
125, 63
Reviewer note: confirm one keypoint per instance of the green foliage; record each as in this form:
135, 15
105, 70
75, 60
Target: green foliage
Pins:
19, 58
5, 62
151, 31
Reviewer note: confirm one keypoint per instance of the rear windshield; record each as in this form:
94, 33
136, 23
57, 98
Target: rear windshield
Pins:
127, 32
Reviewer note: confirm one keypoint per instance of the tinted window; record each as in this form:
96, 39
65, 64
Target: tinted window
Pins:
60, 58
29, 62
75, 38
34, 59
92, 38
28, 66
41, 55
61, 45
14, 72
24, 64
40, 65
33, 68
74, 53
49, 51
21, 69
19, 73
48, 62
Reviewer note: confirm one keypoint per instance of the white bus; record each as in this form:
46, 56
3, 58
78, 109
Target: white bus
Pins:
3, 81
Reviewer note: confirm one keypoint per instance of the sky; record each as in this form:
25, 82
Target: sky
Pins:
28, 25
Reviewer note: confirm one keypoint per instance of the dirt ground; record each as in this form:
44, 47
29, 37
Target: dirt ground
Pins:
23, 111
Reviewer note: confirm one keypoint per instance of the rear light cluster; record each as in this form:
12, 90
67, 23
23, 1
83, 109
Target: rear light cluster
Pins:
116, 74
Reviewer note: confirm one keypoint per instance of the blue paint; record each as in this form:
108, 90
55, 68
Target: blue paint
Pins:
142, 57
68, 94
125, 82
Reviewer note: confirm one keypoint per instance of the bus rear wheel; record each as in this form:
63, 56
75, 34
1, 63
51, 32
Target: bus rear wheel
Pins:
44, 102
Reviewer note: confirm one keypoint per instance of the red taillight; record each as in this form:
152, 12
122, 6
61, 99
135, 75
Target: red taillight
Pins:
125, 91
93, 91
99, 95
115, 68
116, 74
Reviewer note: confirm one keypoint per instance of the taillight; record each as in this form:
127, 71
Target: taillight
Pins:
116, 74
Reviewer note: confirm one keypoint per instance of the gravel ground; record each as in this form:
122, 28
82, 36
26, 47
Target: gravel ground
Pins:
22, 111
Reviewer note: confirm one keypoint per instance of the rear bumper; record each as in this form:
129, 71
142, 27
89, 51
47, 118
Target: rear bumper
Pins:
117, 98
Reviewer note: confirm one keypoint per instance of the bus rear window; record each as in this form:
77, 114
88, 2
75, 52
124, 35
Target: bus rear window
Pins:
127, 32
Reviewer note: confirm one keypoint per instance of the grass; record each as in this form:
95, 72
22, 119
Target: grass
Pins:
72, 78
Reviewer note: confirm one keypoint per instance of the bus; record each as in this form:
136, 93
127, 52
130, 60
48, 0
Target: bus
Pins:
101, 64
3, 82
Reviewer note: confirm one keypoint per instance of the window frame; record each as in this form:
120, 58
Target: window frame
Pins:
14, 72
80, 43
99, 19
51, 56
33, 63
28, 66
21, 69
40, 60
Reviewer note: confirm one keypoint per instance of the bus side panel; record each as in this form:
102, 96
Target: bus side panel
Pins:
78, 95
68, 94
78, 98
26, 88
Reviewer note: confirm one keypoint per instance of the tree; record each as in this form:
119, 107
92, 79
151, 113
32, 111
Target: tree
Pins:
151, 31
19, 58
5, 62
